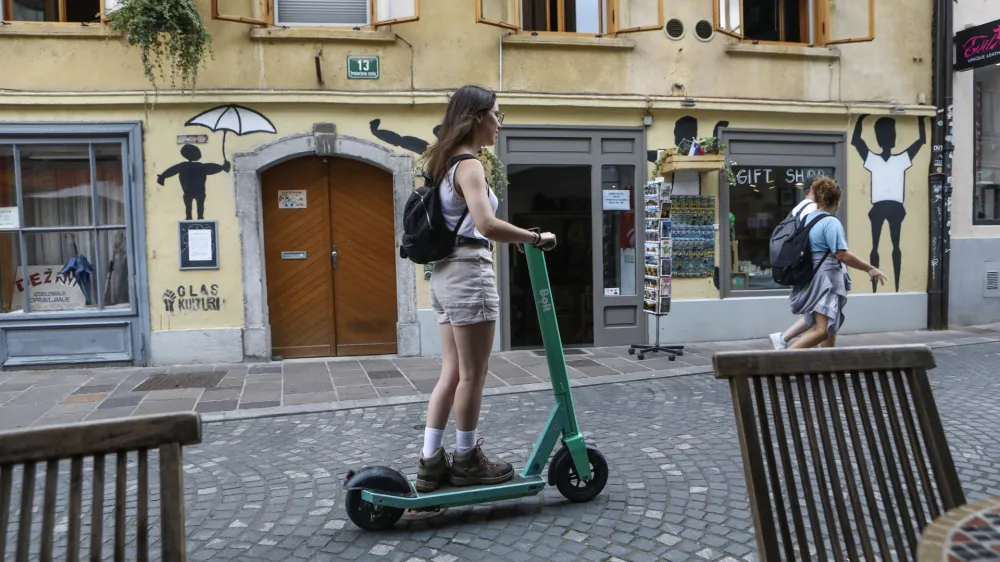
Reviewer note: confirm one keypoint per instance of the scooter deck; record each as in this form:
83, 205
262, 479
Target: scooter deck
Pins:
453, 496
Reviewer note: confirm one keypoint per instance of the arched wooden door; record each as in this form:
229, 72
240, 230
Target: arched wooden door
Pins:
329, 249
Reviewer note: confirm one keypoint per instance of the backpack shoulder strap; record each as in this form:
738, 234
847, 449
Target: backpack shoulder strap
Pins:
816, 220
455, 160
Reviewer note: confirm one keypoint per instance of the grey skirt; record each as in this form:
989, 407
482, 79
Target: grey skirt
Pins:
826, 295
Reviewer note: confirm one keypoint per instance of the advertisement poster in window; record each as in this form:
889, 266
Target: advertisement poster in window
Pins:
49, 290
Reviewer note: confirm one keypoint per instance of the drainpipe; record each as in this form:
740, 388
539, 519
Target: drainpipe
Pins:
940, 170
500, 89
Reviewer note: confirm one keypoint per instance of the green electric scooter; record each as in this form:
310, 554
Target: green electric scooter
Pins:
378, 496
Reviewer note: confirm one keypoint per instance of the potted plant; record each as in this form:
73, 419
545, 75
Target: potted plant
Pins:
495, 174
168, 33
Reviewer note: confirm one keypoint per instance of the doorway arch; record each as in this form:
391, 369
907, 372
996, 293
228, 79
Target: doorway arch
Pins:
322, 141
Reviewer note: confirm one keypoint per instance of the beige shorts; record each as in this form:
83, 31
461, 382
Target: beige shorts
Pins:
464, 288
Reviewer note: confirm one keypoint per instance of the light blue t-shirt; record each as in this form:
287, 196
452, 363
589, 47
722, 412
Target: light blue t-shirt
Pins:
828, 234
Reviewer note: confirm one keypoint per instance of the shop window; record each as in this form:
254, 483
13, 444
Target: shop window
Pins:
63, 228
352, 14
589, 17
986, 146
61, 11
761, 198
808, 22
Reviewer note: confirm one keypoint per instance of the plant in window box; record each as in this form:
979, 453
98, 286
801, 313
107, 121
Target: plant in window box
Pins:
709, 156
167, 32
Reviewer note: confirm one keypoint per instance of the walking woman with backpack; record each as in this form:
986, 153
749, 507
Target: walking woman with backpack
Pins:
463, 290
821, 302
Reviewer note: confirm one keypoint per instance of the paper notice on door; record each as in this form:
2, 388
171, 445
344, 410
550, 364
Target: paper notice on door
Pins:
617, 200
9, 219
612, 291
200, 245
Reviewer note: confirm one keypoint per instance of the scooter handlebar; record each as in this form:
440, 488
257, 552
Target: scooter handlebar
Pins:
544, 247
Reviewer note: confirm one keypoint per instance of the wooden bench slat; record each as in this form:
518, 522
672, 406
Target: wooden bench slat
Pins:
6, 484
27, 501
937, 446
75, 509
65, 441
915, 446
873, 454
789, 362
817, 458
142, 521
845, 463
121, 477
892, 412
772, 467
97, 511
786, 469
891, 468
800, 455
49, 509
172, 503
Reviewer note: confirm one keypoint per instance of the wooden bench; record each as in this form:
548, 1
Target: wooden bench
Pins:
868, 403
22, 451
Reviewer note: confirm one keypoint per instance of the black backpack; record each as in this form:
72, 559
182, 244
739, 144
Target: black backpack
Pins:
793, 266
426, 238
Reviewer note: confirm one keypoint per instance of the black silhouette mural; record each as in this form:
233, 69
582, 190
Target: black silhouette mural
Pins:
888, 184
413, 144
685, 128
192, 175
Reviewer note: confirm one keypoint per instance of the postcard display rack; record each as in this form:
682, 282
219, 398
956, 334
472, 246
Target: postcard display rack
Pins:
658, 266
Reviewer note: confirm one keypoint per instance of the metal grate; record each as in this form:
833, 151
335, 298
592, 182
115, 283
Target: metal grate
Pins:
992, 280
704, 30
180, 380
674, 29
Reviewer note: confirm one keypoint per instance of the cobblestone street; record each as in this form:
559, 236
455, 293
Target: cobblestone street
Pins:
268, 489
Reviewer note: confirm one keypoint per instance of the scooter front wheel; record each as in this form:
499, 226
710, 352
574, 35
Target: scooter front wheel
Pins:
569, 483
366, 515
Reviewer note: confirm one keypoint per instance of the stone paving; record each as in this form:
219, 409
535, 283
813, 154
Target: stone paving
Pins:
270, 488
33, 398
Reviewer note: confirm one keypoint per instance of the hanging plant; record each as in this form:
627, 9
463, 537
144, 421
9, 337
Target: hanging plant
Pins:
168, 33
495, 171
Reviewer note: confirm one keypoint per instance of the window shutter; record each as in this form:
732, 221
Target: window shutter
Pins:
499, 13
322, 12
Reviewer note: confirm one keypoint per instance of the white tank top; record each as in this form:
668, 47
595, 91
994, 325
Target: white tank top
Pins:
453, 205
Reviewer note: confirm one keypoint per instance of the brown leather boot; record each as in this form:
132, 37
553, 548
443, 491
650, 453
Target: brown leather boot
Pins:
471, 467
433, 471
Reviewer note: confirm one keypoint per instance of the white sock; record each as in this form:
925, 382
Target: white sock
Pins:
465, 440
433, 439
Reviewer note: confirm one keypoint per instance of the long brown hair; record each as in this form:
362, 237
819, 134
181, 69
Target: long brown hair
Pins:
467, 103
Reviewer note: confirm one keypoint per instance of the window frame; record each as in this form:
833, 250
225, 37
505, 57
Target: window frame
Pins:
817, 28
94, 229
7, 9
268, 11
730, 136
608, 12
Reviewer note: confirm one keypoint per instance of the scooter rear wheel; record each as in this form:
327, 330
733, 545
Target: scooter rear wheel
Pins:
569, 483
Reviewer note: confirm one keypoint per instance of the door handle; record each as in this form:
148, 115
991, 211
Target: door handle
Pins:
333, 256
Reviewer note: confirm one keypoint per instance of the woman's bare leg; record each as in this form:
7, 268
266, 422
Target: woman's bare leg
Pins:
474, 344
830, 341
443, 396
815, 336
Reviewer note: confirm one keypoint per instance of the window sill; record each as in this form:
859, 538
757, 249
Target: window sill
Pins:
320, 34
794, 51
24, 29
568, 41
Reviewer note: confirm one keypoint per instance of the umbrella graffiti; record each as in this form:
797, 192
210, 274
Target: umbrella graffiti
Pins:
232, 118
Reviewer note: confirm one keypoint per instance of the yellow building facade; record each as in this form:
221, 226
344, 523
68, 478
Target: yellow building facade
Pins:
260, 215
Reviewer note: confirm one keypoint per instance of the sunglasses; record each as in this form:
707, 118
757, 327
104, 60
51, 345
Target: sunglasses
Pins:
499, 116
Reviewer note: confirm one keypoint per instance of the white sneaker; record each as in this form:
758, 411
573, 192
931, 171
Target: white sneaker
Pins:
778, 341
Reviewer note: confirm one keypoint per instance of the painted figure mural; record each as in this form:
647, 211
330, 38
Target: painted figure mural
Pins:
193, 175
888, 184
685, 128
413, 144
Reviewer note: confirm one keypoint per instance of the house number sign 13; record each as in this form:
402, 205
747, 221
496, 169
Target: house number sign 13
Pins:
362, 67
